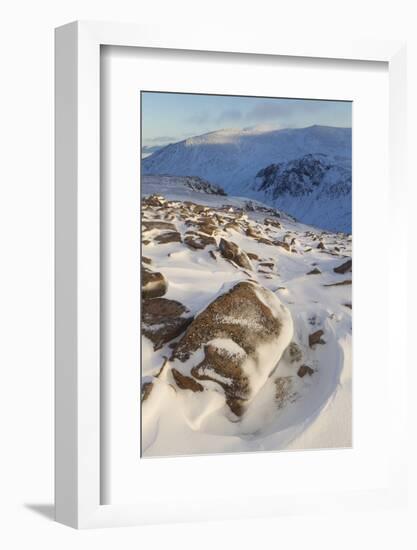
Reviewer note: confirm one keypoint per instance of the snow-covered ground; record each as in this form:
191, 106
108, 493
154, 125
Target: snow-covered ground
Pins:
299, 392
232, 158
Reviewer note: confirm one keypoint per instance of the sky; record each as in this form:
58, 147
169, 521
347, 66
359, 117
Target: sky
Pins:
171, 117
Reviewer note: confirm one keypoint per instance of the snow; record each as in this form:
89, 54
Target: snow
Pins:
316, 410
232, 159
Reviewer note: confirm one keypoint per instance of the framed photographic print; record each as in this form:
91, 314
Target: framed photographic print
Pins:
216, 354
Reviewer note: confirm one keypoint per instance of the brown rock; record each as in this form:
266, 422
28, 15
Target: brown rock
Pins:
186, 382
146, 260
303, 370
238, 315
157, 224
321, 246
163, 320
198, 242
146, 390
274, 223
154, 200
231, 251
208, 229
316, 338
154, 284
263, 240
169, 237
282, 244
344, 268
251, 232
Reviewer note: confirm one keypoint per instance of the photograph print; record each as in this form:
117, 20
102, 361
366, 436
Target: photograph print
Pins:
246, 277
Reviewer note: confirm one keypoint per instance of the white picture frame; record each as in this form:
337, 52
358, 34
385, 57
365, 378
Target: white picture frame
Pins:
77, 242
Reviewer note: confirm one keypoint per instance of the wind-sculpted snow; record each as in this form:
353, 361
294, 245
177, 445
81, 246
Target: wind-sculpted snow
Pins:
242, 355
233, 158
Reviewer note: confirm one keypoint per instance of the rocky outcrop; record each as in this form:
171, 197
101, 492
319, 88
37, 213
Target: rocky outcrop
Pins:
235, 343
163, 320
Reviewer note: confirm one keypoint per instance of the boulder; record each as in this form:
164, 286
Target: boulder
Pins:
235, 343
154, 283
163, 320
231, 251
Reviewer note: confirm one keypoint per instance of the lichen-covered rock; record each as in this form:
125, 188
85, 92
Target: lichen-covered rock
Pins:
163, 320
232, 252
154, 283
235, 343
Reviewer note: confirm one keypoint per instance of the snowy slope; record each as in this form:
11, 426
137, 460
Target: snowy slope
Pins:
314, 188
291, 410
233, 158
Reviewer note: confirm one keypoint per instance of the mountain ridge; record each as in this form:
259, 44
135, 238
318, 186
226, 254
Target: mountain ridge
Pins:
233, 158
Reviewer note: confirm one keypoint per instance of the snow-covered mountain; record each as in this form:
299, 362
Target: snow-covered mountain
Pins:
314, 188
233, 159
